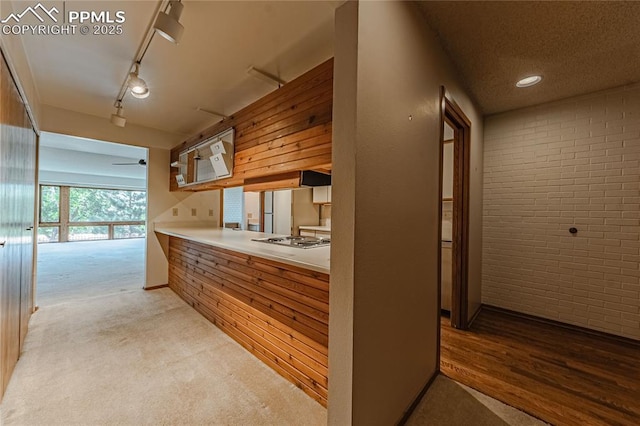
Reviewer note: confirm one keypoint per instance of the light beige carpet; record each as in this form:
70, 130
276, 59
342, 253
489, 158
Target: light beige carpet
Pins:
74, 270
144, 358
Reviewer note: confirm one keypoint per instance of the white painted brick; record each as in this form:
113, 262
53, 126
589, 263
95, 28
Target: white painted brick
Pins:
574, 162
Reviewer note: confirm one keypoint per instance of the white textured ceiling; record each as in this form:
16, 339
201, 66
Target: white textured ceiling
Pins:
208, 69
577, 46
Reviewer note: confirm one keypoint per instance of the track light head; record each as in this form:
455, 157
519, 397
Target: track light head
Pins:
140, 94
168, 24
118, 119
137, 86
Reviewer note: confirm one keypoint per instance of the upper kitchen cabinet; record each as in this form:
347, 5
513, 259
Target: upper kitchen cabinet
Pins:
275, 138
322, 195
207, 161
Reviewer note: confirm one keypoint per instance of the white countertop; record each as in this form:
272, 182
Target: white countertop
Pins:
315, 228
315, 259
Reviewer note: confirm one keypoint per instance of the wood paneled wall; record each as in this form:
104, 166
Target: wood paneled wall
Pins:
278, 312
285, 131
17, 202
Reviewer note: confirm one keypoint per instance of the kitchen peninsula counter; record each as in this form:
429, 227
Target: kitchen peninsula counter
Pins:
315, 259
273, 300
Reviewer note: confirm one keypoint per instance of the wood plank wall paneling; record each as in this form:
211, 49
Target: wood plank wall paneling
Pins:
278, 312
17, 196
287, 130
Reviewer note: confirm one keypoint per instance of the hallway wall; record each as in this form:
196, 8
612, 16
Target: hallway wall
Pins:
571, 163
389, 68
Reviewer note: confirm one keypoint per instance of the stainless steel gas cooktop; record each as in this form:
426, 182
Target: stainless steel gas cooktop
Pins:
295, 241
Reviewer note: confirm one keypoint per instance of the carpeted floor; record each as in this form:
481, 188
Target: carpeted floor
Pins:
68, 271
141, 357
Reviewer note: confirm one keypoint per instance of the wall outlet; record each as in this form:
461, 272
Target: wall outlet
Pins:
175, 211
249, 215
194, 212
210, 212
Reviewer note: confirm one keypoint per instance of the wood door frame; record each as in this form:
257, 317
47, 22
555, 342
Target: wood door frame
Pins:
452, 114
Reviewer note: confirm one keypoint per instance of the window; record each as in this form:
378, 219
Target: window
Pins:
106, 205
79, 214
50, 204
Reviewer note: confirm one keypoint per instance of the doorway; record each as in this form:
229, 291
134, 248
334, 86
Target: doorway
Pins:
455, 132
92, 211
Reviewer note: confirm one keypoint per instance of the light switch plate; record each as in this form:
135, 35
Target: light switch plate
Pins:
175, 211
194, 212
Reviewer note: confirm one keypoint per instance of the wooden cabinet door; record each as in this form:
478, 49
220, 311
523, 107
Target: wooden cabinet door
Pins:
17, 195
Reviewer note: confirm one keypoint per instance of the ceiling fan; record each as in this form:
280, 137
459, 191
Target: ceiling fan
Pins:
140, 162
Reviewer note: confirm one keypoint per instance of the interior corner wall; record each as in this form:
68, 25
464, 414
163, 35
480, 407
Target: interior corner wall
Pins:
343, 195
572, 163
161, 205
384, 280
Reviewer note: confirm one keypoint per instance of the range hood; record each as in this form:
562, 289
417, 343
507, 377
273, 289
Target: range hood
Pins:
311, 178
288, 180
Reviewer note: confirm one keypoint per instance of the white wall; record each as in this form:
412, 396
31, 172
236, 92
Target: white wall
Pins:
303, 211
573, 163
383, 330
58, 120
251, 207
160, 209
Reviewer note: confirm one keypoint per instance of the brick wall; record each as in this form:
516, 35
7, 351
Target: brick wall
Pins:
573, 163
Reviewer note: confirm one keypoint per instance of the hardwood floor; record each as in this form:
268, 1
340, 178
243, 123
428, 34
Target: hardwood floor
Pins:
562, 376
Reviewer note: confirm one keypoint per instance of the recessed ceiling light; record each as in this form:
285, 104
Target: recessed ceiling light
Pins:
529, 81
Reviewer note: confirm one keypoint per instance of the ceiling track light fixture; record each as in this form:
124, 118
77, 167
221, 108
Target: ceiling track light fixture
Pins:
265, 76
168, 24
137, 86
132, 82
118, 119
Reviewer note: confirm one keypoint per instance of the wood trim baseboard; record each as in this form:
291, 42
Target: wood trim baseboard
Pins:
572, 327
405, 417
156, 287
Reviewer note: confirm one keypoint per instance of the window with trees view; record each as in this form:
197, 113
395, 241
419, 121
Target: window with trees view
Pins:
50, 204
75, 214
